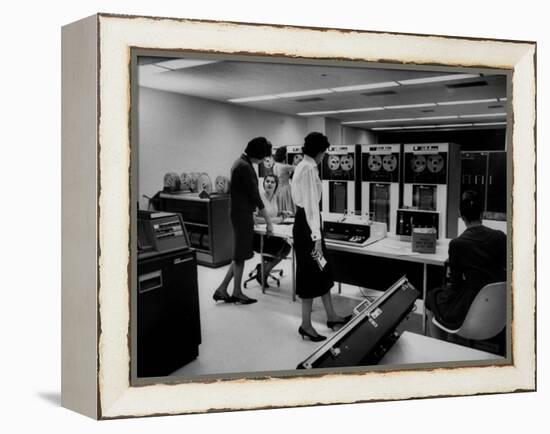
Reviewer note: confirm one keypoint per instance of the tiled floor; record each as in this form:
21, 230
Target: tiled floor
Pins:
262, 336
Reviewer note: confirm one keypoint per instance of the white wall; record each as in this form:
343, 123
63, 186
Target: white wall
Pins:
353, 135
179, 133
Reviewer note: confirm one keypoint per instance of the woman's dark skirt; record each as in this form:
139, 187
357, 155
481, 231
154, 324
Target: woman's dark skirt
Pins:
311, 281
243, 235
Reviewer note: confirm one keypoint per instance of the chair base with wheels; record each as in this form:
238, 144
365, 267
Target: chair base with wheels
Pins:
275, 275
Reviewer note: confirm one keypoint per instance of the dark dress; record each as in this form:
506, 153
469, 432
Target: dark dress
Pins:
476, 258
245, 198
311, 281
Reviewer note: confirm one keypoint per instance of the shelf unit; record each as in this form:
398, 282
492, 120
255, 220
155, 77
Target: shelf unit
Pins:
207, 223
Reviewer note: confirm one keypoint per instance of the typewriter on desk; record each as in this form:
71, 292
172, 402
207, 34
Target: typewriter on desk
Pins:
353, 231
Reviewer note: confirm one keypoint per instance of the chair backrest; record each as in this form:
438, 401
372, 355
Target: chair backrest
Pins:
487, 314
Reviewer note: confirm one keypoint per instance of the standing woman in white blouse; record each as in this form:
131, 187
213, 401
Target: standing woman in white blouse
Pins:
313, 273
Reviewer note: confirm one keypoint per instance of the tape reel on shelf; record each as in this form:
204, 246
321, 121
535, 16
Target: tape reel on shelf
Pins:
204, 183
172, 181
222, 184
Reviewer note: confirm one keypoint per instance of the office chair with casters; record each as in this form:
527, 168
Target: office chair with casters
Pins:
274, 274
486, 317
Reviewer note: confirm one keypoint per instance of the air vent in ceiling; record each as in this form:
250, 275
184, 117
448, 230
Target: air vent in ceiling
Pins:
495, 106
309, 99
428, 111
465, 85
380, 93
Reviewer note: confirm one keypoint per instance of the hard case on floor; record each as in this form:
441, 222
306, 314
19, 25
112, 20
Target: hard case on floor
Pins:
370, 333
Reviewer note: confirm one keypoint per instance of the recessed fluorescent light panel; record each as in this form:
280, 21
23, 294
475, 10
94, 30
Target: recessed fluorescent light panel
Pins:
439, 78
487, 124
254, 98
485, 115
304, 93
396, 107
365, 86
433, 118
471, 101
176, 64
366, 109
318, 113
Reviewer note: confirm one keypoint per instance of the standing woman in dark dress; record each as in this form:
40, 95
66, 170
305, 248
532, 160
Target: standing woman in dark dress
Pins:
245, 199
313, 273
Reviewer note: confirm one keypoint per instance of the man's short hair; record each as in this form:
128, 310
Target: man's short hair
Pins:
471, 206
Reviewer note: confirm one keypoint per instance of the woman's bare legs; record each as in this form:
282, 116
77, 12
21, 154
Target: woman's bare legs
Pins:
307, 306
329, 308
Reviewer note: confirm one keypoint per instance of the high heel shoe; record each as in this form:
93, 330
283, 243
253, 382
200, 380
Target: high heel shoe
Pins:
332, 324
311, 337
225, 298
242, 300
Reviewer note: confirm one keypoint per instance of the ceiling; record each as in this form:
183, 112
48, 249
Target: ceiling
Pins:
444, 100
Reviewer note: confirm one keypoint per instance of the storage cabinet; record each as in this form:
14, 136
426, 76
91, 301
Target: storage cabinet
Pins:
168, 318
207, 223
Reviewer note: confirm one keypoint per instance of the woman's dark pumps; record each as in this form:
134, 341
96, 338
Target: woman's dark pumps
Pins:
314, 338
243, 300
332, 324
225, 298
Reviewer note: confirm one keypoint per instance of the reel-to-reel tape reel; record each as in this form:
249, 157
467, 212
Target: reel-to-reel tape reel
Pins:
433, 163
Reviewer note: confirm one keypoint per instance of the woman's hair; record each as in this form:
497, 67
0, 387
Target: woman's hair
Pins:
258, 148
276, 178
470, 206
280, 154
314, 143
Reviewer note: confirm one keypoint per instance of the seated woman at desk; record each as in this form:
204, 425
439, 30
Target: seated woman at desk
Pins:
476, 258
276, 247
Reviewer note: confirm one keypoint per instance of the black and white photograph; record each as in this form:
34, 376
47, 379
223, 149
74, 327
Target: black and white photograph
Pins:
300, 217
260, 216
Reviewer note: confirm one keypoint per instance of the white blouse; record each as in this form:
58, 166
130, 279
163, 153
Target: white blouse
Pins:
306, 188
271, 206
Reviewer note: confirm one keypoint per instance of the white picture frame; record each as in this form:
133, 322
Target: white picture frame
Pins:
96, 256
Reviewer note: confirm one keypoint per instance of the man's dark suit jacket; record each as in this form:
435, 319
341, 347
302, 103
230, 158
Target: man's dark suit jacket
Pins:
476, 258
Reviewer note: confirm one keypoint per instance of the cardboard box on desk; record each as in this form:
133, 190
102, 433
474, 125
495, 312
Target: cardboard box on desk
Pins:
424, 240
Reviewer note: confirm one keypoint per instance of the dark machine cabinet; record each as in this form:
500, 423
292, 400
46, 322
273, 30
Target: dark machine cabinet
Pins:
207, 223
485, 172
496, 184
168, 319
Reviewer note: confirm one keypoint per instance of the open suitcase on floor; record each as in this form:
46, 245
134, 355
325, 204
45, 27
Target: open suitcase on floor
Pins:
370, 333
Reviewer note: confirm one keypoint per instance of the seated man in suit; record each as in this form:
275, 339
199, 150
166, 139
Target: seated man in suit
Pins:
476, 258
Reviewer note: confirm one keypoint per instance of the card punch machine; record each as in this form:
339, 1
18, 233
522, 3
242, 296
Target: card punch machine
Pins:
160, 232
369, 335
354, 231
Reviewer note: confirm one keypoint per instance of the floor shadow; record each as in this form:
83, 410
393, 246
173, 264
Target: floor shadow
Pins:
53, 398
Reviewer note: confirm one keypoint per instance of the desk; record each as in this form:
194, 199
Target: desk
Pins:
415, 348
389, 248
